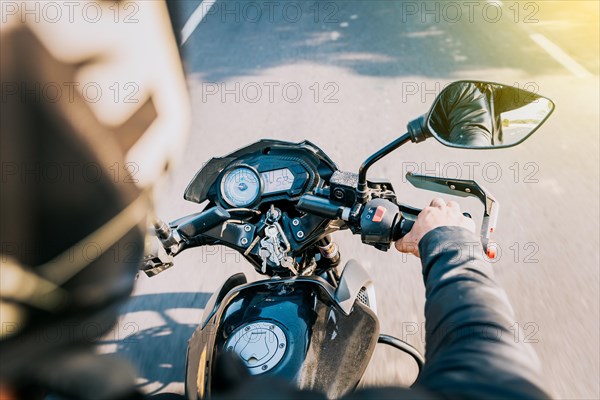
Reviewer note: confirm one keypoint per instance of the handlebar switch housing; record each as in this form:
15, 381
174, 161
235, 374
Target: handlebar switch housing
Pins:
377, 222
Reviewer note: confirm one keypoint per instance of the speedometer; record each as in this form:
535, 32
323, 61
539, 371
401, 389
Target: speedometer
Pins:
240, 187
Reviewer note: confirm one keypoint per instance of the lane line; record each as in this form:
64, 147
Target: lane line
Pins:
194, 20
561, 56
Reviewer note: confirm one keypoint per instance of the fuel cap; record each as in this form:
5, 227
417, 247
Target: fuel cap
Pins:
261, 345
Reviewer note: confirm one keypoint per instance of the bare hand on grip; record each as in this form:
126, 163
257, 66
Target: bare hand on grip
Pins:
439, 213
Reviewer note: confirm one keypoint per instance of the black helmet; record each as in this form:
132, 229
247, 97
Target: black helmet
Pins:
73, 217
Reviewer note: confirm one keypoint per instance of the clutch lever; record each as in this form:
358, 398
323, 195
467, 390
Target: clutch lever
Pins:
464, 188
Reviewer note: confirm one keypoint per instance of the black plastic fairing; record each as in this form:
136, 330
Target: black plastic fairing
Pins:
203, 184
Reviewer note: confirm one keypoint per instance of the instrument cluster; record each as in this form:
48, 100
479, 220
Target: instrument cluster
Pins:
248, 184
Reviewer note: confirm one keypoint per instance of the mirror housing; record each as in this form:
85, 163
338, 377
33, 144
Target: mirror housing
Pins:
482, 115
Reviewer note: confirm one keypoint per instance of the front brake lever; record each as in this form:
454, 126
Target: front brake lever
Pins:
464, 188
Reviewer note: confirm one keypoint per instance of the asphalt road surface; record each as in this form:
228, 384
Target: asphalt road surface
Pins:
349, 75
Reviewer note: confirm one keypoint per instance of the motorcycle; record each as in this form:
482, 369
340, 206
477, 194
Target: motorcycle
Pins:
313, 322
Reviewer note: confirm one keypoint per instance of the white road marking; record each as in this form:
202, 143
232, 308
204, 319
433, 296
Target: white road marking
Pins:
197, 16
561, 56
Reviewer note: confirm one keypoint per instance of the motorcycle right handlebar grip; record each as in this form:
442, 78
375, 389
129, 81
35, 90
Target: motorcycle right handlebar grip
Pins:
402, 228
406, 224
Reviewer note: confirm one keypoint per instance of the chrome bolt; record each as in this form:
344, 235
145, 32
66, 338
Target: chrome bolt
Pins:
281, 345
264, 367
300, 234
452, 187
468, 190
272, 327
247, 228
295, 222
230, 348
244, 241
247, 328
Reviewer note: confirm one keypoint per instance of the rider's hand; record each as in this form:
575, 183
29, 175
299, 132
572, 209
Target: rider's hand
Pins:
439, 213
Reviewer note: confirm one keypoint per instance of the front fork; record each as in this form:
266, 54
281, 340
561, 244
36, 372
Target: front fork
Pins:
329, 259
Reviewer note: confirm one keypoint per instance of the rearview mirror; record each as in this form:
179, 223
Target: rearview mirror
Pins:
484, 115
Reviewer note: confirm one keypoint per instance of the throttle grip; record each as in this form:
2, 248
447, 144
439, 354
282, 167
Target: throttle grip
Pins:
405, 225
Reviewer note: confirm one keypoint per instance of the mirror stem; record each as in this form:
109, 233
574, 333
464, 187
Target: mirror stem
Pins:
362, 172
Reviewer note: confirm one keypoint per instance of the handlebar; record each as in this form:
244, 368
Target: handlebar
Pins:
379, 222
320, 206
176, 236
203, 222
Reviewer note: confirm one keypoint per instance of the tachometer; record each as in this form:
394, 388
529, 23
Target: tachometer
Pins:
240, 187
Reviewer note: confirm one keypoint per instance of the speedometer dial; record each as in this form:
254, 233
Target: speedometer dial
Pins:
240, 187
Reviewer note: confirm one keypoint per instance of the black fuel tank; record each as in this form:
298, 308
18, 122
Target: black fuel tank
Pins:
290, 328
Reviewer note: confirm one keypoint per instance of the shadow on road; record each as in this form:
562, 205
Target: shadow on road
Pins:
374, 38
158, 352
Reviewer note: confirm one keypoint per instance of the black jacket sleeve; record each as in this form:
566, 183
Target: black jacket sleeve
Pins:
471, 352
462, 116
